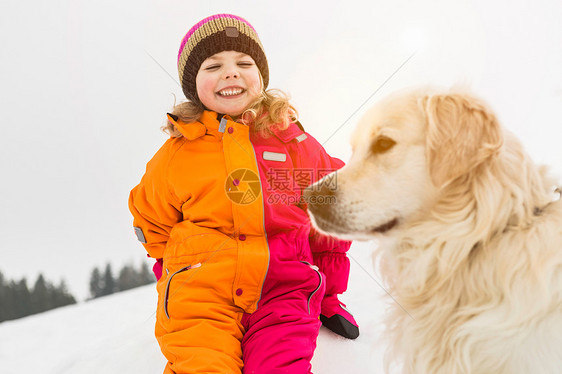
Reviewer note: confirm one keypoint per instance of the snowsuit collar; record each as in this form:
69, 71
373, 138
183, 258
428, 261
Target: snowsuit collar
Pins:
209, 124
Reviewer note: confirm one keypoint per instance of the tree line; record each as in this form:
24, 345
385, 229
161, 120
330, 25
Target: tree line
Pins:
18, 300
103, 283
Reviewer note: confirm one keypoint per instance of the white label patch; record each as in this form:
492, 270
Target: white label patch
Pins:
274, 156
301, 137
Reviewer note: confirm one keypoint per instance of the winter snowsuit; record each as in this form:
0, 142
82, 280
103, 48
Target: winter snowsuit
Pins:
221, 206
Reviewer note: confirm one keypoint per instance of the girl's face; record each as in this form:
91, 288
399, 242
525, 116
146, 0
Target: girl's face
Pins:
228, 82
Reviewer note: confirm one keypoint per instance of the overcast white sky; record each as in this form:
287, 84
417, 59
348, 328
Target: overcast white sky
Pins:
82, 98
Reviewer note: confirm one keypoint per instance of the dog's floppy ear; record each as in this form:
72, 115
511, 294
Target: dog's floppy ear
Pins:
461, 133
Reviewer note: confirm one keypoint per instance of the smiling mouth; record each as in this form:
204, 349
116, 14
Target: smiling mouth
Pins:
385, 227
231, 92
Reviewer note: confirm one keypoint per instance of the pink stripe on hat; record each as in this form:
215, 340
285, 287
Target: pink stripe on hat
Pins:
204, 21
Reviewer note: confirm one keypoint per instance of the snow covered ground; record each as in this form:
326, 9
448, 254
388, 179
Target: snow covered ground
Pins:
114, 334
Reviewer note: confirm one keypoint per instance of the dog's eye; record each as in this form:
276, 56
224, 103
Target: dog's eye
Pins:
382, 144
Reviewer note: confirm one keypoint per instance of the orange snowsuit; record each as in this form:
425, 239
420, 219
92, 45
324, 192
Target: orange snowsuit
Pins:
200, 208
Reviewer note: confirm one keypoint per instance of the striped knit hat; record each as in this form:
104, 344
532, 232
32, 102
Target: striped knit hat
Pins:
215, 34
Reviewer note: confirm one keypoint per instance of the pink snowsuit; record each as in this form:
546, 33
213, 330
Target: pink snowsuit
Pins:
282, 332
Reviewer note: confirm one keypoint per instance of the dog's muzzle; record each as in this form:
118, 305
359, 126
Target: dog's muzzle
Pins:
320, 199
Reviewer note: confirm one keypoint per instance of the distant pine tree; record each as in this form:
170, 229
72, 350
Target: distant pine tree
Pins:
4, 301
22, 298
61, 295
128, 278
41, 296
146, 276
96, 284
10, 301
109, 285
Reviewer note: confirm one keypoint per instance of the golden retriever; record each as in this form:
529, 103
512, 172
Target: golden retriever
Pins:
470, 235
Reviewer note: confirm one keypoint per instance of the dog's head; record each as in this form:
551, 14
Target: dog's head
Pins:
406, 150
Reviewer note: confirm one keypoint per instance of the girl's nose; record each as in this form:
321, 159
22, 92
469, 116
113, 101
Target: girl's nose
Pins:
231, 73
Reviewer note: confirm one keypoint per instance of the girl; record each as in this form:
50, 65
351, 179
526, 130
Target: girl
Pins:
221, 211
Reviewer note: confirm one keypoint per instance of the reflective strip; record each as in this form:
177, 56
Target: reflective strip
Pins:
140, 234
315, 268
301, 137
168, 285
222, 125
274, 156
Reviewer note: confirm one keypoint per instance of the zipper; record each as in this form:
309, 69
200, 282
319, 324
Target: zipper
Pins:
264, 230
315, 268
168, 284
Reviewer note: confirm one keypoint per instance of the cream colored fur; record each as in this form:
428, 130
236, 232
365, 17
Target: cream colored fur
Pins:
476, 256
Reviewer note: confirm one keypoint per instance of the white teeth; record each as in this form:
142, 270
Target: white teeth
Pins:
230, 91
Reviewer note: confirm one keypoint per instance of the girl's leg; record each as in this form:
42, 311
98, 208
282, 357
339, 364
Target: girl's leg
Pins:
197, 326
281, 334
330, 255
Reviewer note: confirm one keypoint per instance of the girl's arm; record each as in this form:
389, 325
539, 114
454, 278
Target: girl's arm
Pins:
329, 253
154, 206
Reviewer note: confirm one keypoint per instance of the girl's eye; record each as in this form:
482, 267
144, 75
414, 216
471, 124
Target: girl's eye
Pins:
245, 63
212, 67
382, 144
